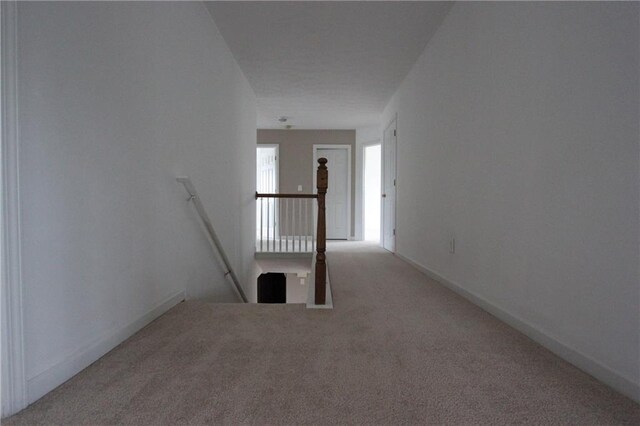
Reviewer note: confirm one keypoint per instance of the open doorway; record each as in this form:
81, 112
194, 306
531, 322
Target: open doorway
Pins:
372, 187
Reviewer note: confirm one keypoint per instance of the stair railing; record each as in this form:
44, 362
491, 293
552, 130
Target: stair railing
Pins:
283, 227
193, 197
285, 223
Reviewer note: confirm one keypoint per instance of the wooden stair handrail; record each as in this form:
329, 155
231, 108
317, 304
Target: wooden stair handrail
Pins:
259, 195
322, 178
321, 245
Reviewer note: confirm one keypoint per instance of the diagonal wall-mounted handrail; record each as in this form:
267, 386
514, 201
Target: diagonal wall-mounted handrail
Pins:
193, 196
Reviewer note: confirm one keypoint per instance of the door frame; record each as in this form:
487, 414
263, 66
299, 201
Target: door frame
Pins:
14, 384
316, 147
392, 122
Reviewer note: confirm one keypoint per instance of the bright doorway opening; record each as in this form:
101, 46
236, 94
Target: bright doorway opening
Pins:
372, 188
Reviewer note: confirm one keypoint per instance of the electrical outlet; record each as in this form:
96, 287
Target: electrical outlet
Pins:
452, 245
299, 188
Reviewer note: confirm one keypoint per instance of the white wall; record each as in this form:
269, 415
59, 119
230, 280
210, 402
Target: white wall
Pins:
115, 101
364, 135
297, 292
518, 135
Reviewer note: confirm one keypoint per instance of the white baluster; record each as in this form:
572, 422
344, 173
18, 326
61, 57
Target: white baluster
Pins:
306, 224
261, 221
280, 224
300, 228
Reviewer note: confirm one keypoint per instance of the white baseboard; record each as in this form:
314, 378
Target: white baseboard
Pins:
575, 357
54, 376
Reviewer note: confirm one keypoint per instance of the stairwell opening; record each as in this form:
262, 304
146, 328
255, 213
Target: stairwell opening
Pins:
272, 288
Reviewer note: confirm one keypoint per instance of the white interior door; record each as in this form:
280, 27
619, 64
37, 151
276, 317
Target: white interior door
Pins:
267, 168
337, 201
389, 188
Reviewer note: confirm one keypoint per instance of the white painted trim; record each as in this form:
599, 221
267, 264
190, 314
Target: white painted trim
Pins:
54, 376
13, 388
315, 167
395, 198
584, 362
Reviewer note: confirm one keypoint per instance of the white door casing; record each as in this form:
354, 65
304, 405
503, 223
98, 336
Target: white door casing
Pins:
389, 145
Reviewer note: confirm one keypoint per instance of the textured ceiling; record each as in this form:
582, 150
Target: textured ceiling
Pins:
326, 65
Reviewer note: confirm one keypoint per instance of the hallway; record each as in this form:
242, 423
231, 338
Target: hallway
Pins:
397, 348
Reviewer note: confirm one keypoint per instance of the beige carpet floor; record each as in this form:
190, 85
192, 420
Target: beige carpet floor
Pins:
397, 348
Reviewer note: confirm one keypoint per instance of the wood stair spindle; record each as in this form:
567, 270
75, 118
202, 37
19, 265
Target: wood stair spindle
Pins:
321, 264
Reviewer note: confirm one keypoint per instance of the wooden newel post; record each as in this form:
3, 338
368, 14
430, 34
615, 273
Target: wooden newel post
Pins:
321, 244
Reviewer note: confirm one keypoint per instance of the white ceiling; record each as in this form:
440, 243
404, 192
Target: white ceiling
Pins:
326, 65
